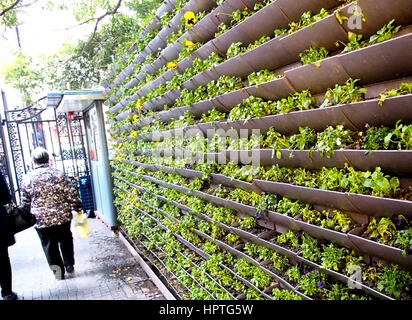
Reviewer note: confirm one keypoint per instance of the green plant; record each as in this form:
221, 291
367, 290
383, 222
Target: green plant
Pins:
268, 202
280, 262
310, 249
253, 294
248, 223
383, 231
338, 221
305, 139
261, 76
385, 33
260, 278
333, 257
285, 295
252, 249
289, 237
381, 185
400, 137
404, 88
333, 138
233, 238
343, 94
404, 240
394, 281
313, 283
235, 49
213, 115
312, 55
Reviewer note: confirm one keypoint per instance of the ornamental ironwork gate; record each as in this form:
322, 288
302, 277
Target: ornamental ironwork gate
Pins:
62, 134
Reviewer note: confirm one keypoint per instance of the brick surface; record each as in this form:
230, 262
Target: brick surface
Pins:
104, 270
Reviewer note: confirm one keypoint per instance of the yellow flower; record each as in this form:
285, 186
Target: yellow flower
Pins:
138, 105
133, 134
119, 158
189, 44
119, 146
190, 18
172, 65
135, 118
122, 196
134, 191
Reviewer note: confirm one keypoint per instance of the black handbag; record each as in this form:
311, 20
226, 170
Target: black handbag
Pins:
19, 219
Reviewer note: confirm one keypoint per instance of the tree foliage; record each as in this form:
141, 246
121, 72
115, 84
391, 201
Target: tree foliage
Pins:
85, 63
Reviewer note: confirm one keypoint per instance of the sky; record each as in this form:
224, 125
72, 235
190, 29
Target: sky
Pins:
42, 32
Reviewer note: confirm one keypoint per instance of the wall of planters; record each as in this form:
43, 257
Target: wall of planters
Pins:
326, 213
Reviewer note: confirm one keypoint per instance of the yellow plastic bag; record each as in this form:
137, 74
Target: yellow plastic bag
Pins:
81, 225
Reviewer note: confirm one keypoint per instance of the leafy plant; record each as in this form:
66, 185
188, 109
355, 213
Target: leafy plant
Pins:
385, 33
394, 281
333, 257
248, 223
261, 76
285, 295
280, 262
312, 55
235, 49
333, 138
343, 94
405, 88
310, 249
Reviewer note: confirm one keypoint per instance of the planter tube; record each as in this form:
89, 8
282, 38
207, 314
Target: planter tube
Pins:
364, 204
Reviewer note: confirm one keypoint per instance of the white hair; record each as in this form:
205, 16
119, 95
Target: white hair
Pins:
40, 155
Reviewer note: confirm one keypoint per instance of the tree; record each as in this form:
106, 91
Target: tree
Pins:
84, 64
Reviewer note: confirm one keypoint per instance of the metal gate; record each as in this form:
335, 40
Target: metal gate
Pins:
61, 134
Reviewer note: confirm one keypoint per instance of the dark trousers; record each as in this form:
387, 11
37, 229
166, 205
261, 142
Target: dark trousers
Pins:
5, 271
53, 238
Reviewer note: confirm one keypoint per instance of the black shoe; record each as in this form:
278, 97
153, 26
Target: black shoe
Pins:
70, 269
10, 297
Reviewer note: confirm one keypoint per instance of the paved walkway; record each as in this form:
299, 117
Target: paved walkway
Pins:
104, 270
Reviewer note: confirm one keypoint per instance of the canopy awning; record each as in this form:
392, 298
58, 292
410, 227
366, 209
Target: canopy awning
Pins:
73, 101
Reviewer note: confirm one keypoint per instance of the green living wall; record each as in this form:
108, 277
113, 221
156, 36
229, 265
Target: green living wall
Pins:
263, 148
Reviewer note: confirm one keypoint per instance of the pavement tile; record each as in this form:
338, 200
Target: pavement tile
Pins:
104, 270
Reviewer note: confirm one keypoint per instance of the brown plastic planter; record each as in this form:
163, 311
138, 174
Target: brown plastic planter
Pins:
185, 63
324, 33
203, 31
263, 56
225, 10
364, 204
329, 199
382, 251
199, 108
157, 44
205, 51
394, 162
172, 51
167, 116
295, 9
229, 182
173, 94
391, 161
378, 13
229, 100
318, 79
272, 90
388, 60
236, 66
201, 79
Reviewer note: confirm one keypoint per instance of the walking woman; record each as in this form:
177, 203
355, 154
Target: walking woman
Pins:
6, 240
49, 195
